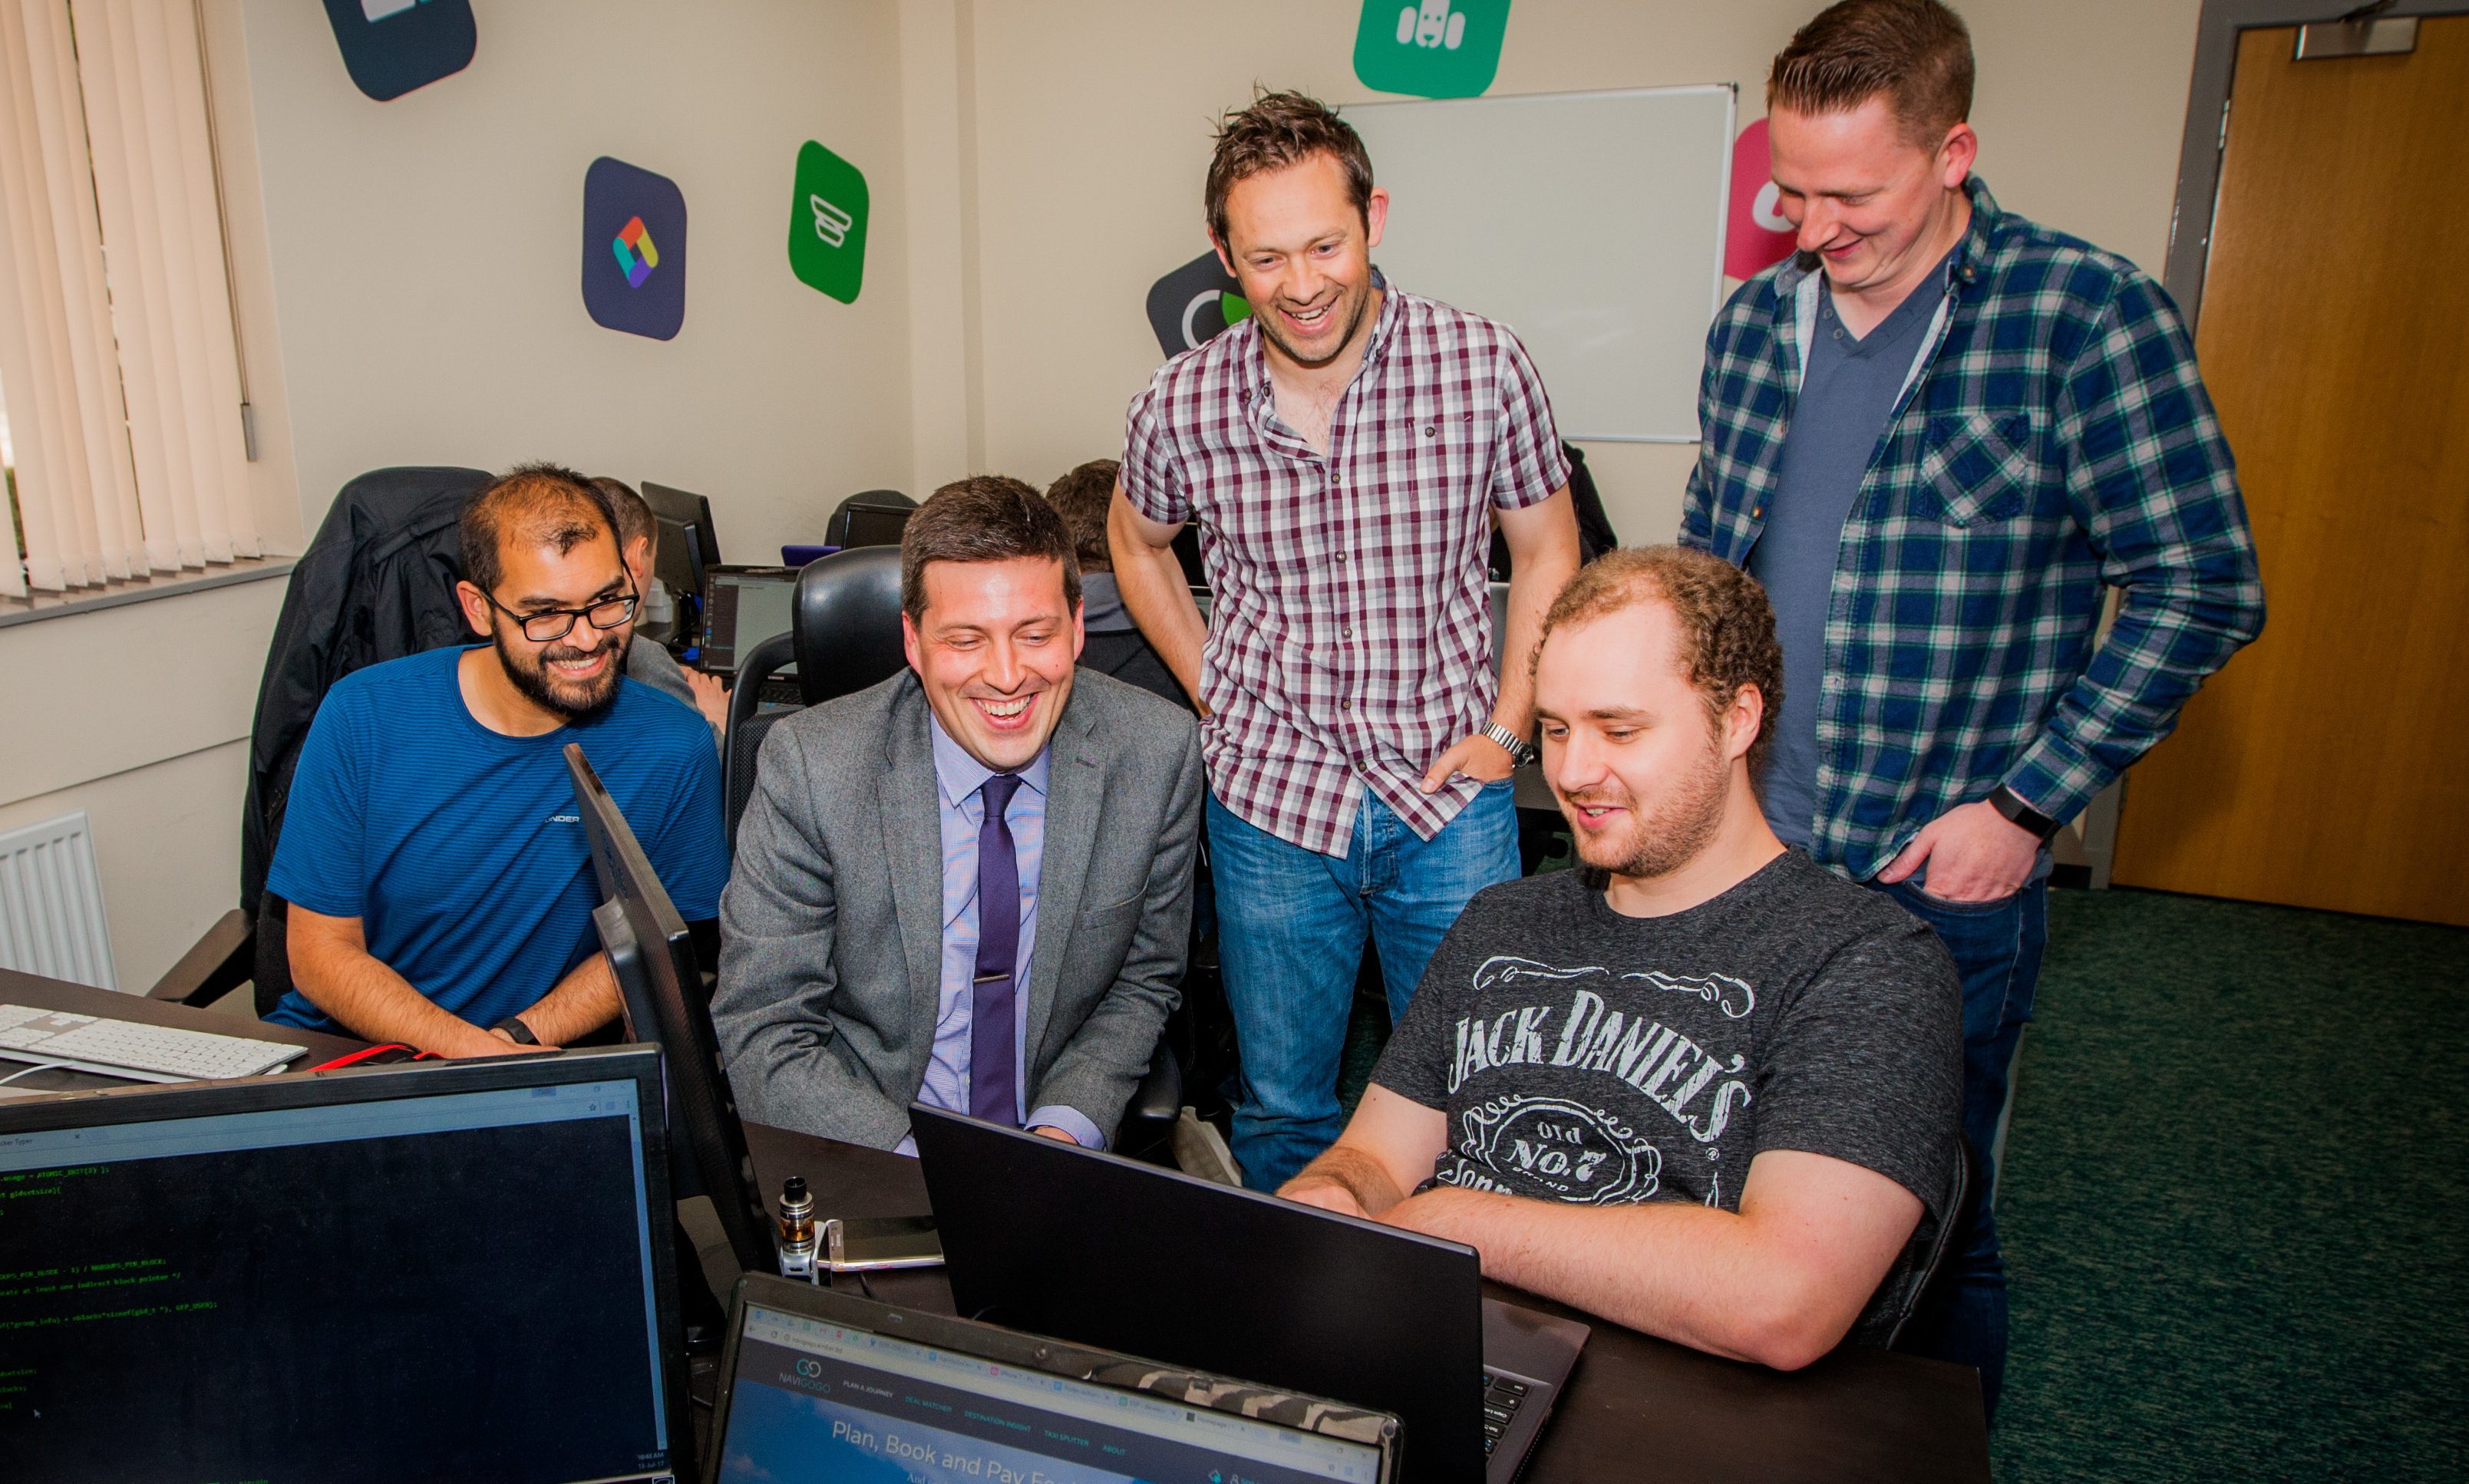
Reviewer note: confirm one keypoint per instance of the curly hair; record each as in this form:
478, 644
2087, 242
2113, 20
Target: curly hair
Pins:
1727, 629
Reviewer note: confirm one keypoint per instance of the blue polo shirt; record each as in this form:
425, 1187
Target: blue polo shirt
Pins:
461, 849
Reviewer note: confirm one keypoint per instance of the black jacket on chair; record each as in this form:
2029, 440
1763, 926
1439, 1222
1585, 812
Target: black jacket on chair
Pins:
377, 583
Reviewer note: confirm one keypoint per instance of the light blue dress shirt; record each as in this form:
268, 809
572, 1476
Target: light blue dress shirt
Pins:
961, 815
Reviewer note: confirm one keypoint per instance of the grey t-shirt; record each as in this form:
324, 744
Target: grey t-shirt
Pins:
1594, 1058
1850, 389
650, 663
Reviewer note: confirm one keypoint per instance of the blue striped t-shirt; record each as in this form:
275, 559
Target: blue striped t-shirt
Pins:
461, 849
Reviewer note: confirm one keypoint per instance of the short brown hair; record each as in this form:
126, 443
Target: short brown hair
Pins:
542, 504
1917, 53
635, 521
1727, 629
1278, 131
984, 517
1081, 498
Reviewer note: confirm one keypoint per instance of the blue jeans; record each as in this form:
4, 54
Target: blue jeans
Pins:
1290, 930
1996, 948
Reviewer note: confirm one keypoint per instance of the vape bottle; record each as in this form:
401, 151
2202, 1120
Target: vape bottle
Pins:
796, 1229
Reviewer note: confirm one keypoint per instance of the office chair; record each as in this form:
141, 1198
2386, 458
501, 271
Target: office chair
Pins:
844, 635
1937, 1275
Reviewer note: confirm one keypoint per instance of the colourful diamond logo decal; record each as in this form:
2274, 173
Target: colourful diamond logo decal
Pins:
635, 254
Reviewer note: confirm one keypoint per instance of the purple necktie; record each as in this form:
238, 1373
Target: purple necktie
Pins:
991, 1095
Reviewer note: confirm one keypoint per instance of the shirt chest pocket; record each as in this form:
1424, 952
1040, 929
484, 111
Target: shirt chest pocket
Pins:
1977, 468
1444, 447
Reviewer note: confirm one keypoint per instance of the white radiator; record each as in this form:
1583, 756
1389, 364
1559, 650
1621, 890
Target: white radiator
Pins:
51, 903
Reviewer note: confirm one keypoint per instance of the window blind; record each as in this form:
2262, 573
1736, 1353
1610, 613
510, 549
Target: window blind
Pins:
117, 352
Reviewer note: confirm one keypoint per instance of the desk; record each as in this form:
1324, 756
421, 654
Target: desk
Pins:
21, 989
1636, 1406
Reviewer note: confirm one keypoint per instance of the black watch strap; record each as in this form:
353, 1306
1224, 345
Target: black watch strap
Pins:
514, 1026
2021, 815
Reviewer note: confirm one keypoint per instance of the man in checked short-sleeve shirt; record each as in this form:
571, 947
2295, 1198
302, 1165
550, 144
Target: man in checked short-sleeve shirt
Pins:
1345, 450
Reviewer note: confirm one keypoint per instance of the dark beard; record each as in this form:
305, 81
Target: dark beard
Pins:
1680, 826
1353, 324
534, 682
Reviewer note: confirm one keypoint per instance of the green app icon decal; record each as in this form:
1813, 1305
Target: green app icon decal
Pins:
1431, 49
827, 225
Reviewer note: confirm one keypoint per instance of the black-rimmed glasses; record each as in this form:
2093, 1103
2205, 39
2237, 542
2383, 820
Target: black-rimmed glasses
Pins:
549, 624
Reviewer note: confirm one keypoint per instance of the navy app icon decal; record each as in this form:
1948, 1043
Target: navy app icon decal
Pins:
393, 46
634, 249
1195, 304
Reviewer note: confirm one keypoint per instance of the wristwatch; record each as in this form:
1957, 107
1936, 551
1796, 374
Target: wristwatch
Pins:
515, 1028
2021, 815
1520, 751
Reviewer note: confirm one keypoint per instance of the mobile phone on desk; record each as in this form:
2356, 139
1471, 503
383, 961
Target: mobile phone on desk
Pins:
872, 1243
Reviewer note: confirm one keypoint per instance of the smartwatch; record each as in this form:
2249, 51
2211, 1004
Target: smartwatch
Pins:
514, 1027
2021, 815
1520, 751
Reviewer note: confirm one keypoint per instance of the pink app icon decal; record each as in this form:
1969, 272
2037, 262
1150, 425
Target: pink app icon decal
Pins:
1755, 235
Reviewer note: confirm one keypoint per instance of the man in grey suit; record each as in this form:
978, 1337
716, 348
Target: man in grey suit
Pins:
970, 885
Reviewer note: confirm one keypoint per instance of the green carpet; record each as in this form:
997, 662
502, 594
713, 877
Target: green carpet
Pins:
2234, 1207
2235, 1200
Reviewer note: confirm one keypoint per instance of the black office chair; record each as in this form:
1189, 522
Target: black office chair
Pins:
844, 637
1931, 1285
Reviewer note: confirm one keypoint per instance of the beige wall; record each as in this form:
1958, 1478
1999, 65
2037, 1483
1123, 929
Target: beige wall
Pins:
424, 252
143, 724
1092, 136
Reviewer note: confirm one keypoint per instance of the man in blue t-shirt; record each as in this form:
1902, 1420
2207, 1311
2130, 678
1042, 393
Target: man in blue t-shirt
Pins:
434, 862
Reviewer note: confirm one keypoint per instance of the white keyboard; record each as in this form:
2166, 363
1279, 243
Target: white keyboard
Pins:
123, 1048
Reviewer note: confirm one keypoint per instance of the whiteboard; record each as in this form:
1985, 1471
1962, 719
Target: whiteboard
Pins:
1590, 223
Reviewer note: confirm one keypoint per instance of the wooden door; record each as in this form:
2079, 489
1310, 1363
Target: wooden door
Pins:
2328, 766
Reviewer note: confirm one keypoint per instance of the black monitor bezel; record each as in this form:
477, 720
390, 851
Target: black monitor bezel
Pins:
168, 1102
713, 1137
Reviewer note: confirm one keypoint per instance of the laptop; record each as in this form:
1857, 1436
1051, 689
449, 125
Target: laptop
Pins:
1042, 1236
741, 608
397, 1274
818, 1384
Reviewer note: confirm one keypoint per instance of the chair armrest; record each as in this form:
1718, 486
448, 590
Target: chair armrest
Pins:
1148, 1118
219, 962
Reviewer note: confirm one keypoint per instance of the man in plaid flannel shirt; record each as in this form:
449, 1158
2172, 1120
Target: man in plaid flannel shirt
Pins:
1935, 453
1345, 450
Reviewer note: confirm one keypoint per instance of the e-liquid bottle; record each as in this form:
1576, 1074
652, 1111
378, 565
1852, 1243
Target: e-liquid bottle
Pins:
796, 1229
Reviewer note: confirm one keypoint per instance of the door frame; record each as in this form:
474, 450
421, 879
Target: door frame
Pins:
2190, 225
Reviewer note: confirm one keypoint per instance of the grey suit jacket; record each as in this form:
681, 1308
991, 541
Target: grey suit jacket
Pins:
832, 925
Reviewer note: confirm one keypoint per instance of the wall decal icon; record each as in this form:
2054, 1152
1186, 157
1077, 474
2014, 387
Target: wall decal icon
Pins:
827, 212
634, 249
1756, 236
1432, 48
392, 46
1195, 304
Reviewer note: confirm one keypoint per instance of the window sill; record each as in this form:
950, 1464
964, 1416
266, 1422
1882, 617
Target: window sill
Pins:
162, 584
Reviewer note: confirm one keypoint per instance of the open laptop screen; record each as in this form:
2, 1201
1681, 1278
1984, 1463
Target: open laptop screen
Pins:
813, 1399
403, 1285
747, 605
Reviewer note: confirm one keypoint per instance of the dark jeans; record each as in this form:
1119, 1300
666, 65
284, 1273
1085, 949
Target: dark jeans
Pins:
1996, 948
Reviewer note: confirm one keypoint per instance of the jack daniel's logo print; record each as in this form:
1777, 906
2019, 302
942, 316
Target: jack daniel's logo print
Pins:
1583, 1155
1569, 1133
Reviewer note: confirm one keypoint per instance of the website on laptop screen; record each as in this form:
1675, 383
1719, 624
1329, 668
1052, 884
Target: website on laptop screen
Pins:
455, 1286
817, 1400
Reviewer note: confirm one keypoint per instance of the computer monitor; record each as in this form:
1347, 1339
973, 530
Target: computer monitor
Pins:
399, 1274
661, 987
685, 507
689, 547
870, 525
741, 608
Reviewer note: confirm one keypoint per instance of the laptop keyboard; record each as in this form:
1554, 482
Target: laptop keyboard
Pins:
1501, 1399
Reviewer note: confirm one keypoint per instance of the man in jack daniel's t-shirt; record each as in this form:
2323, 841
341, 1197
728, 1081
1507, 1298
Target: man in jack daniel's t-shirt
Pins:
1702, 1087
